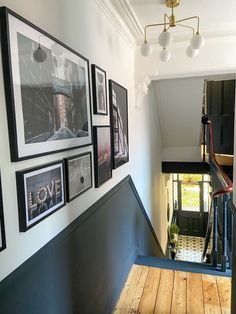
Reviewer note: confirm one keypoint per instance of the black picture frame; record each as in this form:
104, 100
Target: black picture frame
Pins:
47, 89
2, 224
78, 175
99, 82
40, 193
102, 154
118, 99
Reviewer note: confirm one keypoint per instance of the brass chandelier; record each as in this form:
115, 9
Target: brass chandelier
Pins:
165, 38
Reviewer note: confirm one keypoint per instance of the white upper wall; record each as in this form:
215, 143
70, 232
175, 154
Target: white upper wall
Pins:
179, 103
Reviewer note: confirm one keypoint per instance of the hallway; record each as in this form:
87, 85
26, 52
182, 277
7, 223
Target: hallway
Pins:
156, 290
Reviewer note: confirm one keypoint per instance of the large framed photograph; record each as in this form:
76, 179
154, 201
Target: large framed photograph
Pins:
102, 154
47, 90
40, 193
2, 225
99, 90
119, 124
78, 175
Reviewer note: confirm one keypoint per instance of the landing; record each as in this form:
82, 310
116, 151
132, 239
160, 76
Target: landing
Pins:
156, 290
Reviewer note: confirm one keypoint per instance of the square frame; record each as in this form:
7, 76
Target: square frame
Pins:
102, 154
81, 172
47, 89
118, 99
40, 193
2, 224
99, 82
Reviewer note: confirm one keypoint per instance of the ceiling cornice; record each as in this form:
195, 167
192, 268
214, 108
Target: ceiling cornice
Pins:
127, 13
110, 10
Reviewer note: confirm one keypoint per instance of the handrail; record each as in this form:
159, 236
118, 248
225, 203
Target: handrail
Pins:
227, 187
228, 182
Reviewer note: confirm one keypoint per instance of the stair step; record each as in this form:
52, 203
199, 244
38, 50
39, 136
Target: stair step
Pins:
181, 266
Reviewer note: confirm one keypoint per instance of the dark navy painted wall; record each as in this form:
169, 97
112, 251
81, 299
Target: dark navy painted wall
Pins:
84, 268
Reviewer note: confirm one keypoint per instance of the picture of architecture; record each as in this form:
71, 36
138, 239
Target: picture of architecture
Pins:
53, 96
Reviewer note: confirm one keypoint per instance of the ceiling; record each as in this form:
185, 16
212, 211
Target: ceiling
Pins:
216, 16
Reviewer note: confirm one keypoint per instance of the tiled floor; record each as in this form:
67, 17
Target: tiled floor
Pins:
190, 248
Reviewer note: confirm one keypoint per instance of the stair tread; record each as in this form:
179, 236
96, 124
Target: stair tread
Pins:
180, 265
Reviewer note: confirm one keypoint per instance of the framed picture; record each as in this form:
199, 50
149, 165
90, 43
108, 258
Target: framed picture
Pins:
2, 225
78, 175
102, 154
119, 124
40, 193
47, 90
99, 90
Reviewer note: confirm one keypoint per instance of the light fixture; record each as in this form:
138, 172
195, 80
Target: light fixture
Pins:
165, 38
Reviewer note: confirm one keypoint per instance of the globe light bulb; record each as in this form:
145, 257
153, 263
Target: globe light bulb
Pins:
165, 55
146, 49
39, 54
197, 41
191, 53
165, 39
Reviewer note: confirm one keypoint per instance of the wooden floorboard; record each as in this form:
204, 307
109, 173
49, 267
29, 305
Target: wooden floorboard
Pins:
150, 290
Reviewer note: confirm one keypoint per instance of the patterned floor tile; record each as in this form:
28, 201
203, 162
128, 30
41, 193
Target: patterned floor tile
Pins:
190, 248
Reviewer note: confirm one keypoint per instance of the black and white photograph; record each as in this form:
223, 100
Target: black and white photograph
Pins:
102, 154
119, 124
99, 90
40, 193
47, 92
2, 225
78, 175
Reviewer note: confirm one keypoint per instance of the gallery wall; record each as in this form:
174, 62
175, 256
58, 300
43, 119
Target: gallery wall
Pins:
85, 27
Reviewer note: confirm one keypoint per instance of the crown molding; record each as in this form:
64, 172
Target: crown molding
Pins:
129, 16
110, 10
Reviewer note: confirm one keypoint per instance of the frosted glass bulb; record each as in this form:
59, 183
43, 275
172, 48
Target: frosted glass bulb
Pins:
146, 49
191, 53
197, 41
165, 39
165, 55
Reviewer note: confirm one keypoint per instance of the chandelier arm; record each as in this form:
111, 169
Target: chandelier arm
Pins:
166, 16
151, 25
191, 18
182, 25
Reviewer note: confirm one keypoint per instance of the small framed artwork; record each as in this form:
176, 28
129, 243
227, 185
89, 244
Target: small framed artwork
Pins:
102, 154
2, 225
40, 193
119, 124
78, 175
47, 90
99, 90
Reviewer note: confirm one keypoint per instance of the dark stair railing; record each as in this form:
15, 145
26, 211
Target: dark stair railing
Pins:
220, 213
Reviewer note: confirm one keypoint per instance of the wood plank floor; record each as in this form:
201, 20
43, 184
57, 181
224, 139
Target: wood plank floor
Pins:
150, 290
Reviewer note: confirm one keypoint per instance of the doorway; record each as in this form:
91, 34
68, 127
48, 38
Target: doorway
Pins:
191, 203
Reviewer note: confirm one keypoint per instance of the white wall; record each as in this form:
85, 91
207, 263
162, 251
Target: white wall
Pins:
147, 159
84, 27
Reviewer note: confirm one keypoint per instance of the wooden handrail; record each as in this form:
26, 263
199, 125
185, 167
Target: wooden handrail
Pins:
229, 184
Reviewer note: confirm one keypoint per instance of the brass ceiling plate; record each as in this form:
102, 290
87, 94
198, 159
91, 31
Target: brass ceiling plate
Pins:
175, 3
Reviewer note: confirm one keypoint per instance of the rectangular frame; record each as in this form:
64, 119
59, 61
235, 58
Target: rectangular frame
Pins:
118, 99
2, 224
78, 175
102, 154
40, 192
47, 90
99, 81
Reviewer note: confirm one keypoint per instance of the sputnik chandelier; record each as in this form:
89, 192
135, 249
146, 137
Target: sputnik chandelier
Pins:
165, 38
